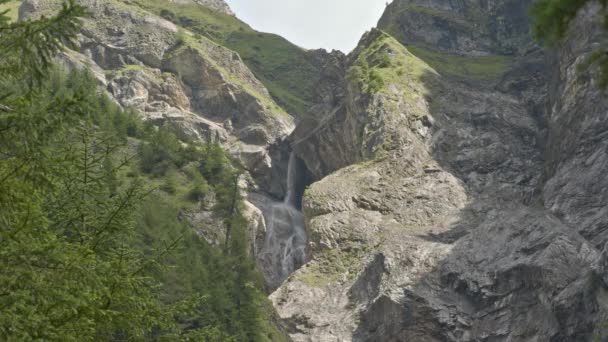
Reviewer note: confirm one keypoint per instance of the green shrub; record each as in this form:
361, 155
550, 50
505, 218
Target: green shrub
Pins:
200, 187
181, 36
376, 83
167, 14
385, 61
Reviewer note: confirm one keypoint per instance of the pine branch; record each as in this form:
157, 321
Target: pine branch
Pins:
166, 251
28, 48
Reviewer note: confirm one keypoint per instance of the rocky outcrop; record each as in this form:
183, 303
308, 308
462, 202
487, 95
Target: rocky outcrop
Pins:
329, 91
172, 75
449, 207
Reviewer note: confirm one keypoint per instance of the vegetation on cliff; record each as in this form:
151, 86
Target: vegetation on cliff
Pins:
382, 61
555, 17
94, 246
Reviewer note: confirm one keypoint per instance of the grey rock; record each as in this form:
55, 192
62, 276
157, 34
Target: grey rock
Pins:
467, 27
200, 87
483, 218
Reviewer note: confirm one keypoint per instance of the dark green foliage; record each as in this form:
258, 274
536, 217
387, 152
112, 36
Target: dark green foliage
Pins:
162, 152
376, 83
385, 61
27, 49
200, 187
368, 79
552, 20
69, 272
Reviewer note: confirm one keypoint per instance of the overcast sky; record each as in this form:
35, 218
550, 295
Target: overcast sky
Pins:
312, 24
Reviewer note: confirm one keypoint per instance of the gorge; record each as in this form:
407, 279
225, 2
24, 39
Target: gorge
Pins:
444, 181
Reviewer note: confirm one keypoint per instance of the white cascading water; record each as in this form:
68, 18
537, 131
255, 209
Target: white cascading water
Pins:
285, 245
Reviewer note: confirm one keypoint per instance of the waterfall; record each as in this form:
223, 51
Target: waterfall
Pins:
285, 245
290, 196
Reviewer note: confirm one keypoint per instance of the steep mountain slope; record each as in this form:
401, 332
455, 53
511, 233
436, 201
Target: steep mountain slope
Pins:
175, 76
459, 191
201, 91
217, 5
289, 72
472, 28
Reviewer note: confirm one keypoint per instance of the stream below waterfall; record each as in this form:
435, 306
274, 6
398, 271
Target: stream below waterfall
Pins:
284, 248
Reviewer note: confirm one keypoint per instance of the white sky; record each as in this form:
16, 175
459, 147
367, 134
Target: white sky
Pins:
312, 24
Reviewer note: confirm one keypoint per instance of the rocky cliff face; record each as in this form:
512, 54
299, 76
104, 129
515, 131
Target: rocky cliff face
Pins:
460, 198
469, 27
455, 170
147, 63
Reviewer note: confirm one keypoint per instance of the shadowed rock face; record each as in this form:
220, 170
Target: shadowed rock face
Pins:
450, 207
471, 27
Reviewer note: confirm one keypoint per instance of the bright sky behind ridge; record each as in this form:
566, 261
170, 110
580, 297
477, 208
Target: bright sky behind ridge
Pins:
312, 24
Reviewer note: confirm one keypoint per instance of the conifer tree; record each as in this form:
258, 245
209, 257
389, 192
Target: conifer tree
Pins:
68, 270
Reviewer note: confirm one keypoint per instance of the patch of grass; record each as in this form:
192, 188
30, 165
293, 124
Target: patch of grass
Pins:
314, 278
480, 68
284, 68
384, 62
13, 9
334, 266
385, 67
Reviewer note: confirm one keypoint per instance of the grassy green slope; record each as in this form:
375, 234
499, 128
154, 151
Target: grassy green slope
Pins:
480, 68
283, 68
